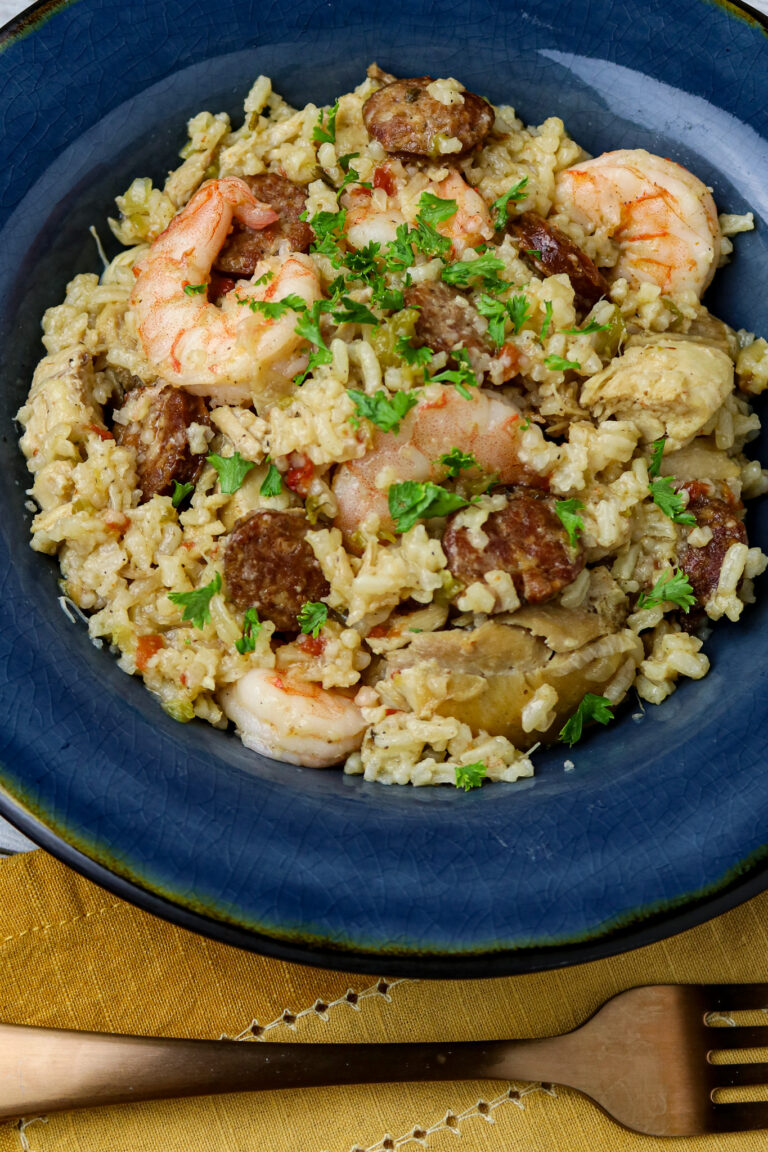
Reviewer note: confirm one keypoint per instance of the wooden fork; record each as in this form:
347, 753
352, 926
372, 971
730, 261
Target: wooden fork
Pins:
644, 1057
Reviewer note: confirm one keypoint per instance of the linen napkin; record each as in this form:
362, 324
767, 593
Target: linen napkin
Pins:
73, 956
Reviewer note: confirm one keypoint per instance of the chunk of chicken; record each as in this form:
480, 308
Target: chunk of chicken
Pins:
668, 389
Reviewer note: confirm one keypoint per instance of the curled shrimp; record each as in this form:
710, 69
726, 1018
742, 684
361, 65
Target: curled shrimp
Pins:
661, 215
293, 720
485, 425
231, 353
376, 217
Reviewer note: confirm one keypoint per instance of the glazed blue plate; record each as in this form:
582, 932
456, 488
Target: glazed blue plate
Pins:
663, 821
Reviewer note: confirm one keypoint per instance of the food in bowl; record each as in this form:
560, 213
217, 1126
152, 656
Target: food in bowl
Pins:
397, 434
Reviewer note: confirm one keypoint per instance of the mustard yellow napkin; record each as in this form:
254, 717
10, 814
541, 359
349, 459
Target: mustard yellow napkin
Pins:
73, 956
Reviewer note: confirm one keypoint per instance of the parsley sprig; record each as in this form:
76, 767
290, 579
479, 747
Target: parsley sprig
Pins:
567, 512
251, 629
672, 587
456, 461
232, 471
194, 289
657, 451
180, 492
312, 616
416, 357
499, 207
272, 484
670, 502
560, 364
470, 776
197, 603
326, 133
414, 500
383, 410
592, 707
485, 268
463, 377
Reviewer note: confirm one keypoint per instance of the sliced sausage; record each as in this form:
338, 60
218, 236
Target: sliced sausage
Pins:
702, 565
525, 539
446, 319
558, 253
268, 565
246, 247
404, 117
160, 440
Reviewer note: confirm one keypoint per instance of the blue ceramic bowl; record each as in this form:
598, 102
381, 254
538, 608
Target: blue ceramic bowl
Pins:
663, 821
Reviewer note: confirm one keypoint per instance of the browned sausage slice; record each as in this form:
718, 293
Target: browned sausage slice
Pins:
162, 448
525, 539
446, 319
549, 251
702, 566
246, 247
268, 565
404, 117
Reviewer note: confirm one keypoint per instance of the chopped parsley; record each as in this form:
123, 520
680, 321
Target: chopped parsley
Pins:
384, 411
670, 502
593, 326
232, 470
485, 267
462, 377
326, 134
432, 210
251, 629
308, 326
398, 254
274, 309
470, 776
194, 289
547, 320
353, 313
499, 207
657, 451
197, 604
362, 262
311, 618
328, 228
672, 587
413, 500
180, 492
535, 252
265, 279
390, 299
411, 355
351, 176
456, 461
568, 514
272, 484
591, 708
495, 312
558, 364
518, 311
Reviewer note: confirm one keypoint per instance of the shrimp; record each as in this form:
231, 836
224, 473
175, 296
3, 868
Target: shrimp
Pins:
661, 215
229, 353
376, 217
485, 425
293, 720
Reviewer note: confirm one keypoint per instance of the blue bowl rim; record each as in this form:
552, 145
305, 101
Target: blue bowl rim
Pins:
652, 928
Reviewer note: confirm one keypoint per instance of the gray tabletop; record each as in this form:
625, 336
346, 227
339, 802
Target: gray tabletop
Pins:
10, 839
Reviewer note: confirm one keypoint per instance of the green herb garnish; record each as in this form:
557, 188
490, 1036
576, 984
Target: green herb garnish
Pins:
412, 501
232, 471
272, 484
499, 207
657, 451
456, 461
470, 776
568, 514
672, 587
670, 502
326, 134
462, 377
180, 491
251, 629
197, 604
194, 289
383, 410
591, 708
311, 618
558, 364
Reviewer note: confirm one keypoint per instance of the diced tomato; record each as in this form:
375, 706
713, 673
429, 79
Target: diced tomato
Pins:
299, 478
313, 645
101, 432
146, 648
383, 178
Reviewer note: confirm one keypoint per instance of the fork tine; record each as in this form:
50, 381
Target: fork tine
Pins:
738, 1037
739, 1117
737, 997
738, 1075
